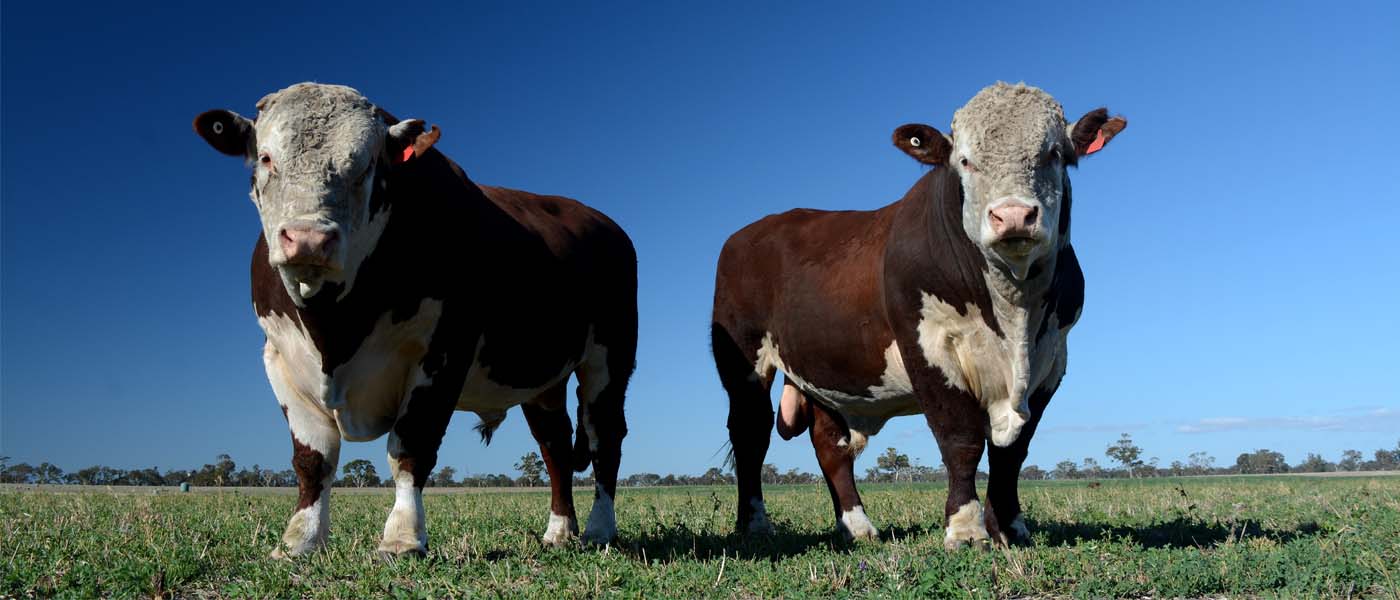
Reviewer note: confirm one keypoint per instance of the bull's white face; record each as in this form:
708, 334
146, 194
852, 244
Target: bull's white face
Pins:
316, 148
318, 152
1010, 147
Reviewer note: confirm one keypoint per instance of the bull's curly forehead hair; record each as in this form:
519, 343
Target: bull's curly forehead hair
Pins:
322, 126
1005, 121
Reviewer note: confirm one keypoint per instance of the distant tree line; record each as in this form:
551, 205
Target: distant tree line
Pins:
1128, 456
891, 466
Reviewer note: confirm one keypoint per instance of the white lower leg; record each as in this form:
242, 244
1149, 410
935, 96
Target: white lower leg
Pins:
602, 521
965, 526
1018, 528
854, 525
308, 528
759, 523
561, 529
405, 530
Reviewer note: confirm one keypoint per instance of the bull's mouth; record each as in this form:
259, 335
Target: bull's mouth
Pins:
1016, 245
303, 281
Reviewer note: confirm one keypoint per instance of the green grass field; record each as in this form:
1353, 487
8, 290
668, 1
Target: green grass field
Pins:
1240, 536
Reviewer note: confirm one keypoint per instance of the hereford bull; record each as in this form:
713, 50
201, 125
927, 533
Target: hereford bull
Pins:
394, 291
953, 302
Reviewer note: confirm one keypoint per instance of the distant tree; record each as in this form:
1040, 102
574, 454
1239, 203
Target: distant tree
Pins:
98, 475
1091, 469
768, 473
1351, 461
1200, 463
1385, 460
223, 470
715, 476
1066, 469
149, 476
1261, 461
48, 473
20, 473
531, 468
444, 477
1177, 468
1314, 464
893, 463
1032, 473
1126, 453
360, 473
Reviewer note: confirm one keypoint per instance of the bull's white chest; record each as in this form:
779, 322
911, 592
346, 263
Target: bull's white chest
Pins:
365, 394
1000, 371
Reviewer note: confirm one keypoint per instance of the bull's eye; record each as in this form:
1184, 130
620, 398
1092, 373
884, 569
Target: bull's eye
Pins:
265, 159
967, 164
360, 181
1055, 156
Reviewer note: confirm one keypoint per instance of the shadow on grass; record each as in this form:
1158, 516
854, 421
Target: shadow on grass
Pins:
1181, 532
675, 543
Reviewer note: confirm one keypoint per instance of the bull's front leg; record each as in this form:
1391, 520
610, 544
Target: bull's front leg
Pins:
1004, 464
959, 426
315, 452
413, 452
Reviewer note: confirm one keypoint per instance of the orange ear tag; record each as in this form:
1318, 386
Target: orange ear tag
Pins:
1094, 147
408, 152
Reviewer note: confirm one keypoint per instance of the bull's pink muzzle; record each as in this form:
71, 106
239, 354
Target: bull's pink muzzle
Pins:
1014, 220
309, 246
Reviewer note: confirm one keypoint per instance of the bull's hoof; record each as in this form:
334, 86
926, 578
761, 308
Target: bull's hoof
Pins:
954, 545
284, 551
756, 530
391, 551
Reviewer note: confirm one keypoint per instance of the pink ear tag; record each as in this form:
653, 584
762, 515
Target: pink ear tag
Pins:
408, 152
1094, 147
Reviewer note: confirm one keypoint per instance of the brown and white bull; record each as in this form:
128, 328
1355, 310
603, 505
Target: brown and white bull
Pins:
395, 291
953, 303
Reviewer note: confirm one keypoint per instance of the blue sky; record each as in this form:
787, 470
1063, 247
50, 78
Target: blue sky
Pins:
1238, 239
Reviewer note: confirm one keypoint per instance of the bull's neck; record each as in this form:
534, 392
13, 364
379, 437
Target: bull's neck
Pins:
1023, 293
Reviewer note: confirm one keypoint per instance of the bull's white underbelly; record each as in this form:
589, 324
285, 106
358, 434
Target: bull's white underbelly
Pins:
865, 410
483, 395
1000, 371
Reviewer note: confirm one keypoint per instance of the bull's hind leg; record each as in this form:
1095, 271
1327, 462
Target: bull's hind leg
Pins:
1005, 470
750, 426
549, 422
831, 438
602, 387
315, 452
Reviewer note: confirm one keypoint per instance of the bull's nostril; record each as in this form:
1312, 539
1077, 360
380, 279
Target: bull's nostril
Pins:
1031, 215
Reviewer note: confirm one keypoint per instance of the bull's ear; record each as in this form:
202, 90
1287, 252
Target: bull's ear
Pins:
407, 139
924, 143
226, 131
1094, 130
